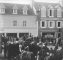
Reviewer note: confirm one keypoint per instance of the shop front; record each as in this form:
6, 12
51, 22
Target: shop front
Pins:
48, 37
23, 34
48, 34
12, 34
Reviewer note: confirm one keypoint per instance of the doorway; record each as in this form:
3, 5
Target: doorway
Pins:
12, 34
22, 34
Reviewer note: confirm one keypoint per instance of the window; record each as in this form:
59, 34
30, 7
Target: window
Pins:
24, 11
43, 11
2, 10
43, 24
51, 24
58, 24
59, 12
14, 11
14, 23
24, 23
15, 8
51, 12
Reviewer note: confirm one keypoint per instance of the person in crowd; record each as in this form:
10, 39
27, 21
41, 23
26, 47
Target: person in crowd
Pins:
30, 35
10, 50
55, 52
17, 38
23, 46
54, 41
38, 47
33, 48
20, 47
3, 38
41, 54
42, 39
59, 41
51, 50
62, 52
43, 51
46, 48
5, 50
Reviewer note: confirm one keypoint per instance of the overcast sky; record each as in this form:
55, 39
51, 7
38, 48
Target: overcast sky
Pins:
28, 1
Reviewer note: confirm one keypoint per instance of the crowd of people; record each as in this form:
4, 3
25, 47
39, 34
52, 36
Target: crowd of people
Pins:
36, 49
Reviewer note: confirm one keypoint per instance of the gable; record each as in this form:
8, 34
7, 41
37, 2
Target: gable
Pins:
38, 5
2, 6
50, 6
15, 7
59, 8
43, 7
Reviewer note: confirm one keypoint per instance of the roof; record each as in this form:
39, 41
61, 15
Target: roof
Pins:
9, 7
38, 5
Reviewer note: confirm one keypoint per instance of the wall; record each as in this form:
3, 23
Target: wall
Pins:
7, 25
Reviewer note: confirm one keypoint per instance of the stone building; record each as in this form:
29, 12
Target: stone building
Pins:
17, 20
50, 18
38, 18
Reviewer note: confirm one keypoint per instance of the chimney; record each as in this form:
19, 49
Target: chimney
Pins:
32, 3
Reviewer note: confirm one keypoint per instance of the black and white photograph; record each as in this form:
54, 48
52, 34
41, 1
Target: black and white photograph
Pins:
31, 29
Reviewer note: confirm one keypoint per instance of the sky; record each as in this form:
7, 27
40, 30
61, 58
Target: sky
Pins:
28, 1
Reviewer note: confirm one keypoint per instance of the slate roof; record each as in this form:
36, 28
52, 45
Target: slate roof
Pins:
9, 6
38, 5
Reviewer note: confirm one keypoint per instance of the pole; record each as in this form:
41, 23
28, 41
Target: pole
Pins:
0, 43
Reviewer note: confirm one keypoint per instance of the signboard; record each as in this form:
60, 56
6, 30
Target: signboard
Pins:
48, 36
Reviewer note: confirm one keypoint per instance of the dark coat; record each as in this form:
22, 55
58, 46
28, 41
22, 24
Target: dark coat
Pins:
33, 48
42, 54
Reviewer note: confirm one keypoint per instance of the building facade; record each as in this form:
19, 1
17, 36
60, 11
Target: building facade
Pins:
50, 19
17, 20
38, 18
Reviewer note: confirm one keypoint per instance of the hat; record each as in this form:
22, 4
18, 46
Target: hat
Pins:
37, 43
43, 44
32, 42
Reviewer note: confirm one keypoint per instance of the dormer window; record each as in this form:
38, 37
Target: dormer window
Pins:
51, 12
59, 13
25, 9
2, 9
15, 8
14, 11
43, 11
